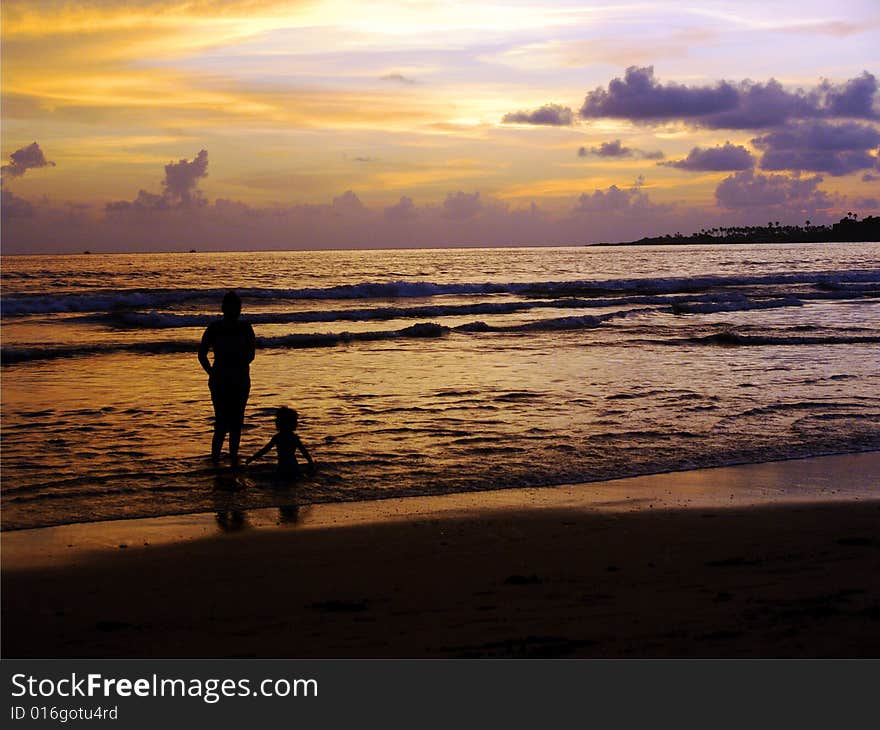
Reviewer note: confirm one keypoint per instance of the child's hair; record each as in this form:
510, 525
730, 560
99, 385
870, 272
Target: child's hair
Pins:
286, 418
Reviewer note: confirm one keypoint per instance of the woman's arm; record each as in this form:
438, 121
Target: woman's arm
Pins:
203, 351
251, 344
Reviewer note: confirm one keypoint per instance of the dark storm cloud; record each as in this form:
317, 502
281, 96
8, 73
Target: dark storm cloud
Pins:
748, 189
640, 97
715, 159
180, 188
818, 146
461, 205
27, 158
554, 115
616, 149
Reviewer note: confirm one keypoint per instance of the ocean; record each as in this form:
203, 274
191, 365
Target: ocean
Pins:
430, 371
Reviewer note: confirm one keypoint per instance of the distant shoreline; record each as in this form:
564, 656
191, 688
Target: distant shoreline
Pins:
847, 230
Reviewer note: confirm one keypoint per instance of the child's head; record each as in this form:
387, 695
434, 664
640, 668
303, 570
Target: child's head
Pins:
286, 418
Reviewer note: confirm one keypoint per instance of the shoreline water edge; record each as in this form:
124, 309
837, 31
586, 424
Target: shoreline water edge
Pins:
812, 480
768, 489
764, 560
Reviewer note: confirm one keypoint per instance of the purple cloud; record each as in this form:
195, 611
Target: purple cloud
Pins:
397, 77
616, 149
748, 189
14, 207
869, 177
180, 188
607, 149
24, 159
554, 115
605, 201
404, 209
715, 159
144, 202
616, 200
765, 105
182, 178
818, 146
866, 203
639, 96
347, 204
467, 219
855, 98
726, 105
461, 205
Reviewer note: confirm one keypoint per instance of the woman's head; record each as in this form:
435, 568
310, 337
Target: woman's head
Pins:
286, 419
231, 305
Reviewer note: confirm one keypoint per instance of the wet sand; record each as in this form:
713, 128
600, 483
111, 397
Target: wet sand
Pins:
768, 560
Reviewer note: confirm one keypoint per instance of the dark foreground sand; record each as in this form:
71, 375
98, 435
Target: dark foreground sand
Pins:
760, 561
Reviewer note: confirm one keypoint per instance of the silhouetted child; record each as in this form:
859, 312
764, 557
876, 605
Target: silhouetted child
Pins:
286, 442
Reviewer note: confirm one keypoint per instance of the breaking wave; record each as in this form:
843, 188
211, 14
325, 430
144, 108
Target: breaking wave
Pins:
735, 339
116, 300
12, 355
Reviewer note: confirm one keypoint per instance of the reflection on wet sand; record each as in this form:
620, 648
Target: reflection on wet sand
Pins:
228, 512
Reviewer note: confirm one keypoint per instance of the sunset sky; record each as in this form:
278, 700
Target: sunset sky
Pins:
261, 124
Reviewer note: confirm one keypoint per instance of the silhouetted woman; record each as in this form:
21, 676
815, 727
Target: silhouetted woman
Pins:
229, 377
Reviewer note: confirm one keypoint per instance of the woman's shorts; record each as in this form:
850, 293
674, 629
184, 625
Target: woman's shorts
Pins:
230, 399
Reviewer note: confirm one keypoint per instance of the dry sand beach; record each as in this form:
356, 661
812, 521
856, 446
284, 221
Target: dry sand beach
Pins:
764, 560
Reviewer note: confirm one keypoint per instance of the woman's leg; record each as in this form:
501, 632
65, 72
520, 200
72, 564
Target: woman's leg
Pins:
234, 439
217, 441
237, 421
220, 425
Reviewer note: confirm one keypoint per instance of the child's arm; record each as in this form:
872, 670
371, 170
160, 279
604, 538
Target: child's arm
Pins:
262, 451
305, 452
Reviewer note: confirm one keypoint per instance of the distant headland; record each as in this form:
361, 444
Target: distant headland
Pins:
849, 228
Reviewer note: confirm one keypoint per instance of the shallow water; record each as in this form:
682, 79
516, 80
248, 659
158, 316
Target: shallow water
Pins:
419, 372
